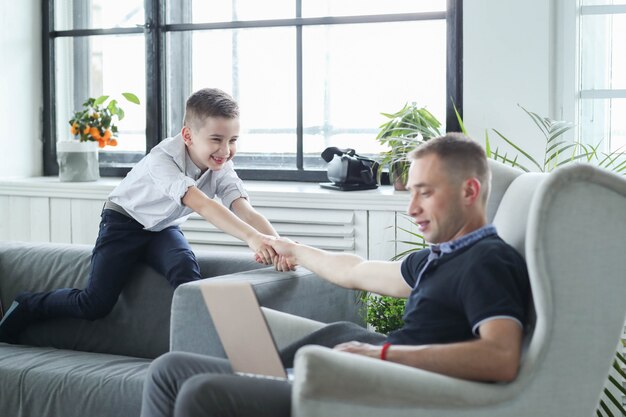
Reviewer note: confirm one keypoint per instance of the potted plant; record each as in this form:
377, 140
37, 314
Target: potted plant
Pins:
404, 130
92, 127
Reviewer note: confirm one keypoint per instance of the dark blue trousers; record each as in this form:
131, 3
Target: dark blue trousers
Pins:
122, 243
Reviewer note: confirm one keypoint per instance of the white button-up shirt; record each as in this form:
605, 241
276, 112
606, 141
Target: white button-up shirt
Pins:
152, 191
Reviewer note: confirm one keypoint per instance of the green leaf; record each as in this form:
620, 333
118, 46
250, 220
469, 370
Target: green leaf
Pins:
520, 150
605, 408
100, 100
458, 117
487, 145
131, 97
560, 131
612, 398
539, 121
120, 113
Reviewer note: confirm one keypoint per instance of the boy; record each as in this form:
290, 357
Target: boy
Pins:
141, 218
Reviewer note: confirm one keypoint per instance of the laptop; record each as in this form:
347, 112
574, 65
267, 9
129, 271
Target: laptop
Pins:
235, 312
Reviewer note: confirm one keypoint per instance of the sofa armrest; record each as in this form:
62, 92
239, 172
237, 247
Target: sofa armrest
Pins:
323, 375
299, 292
287, 328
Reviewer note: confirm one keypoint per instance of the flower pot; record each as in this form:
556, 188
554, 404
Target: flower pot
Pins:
398, 174
78, 161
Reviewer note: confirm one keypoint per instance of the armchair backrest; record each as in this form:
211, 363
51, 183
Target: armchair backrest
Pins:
570, 225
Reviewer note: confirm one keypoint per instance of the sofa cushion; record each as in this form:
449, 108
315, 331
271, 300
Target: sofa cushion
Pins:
137, 326
44, 382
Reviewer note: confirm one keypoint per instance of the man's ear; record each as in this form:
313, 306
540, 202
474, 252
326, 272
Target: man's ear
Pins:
187, 136
471, 190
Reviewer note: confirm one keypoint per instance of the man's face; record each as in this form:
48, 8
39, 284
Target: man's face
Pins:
213, 143
436, 200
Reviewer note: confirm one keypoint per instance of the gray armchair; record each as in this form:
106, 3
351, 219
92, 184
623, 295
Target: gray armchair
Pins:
571, 227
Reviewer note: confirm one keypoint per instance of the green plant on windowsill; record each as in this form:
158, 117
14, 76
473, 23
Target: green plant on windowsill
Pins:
95, 121
404, 130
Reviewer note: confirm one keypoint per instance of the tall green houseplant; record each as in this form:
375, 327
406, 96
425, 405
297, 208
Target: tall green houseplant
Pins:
404, 130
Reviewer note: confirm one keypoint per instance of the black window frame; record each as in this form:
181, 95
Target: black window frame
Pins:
155, 30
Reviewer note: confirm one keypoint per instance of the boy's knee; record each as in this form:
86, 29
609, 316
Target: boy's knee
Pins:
184, 269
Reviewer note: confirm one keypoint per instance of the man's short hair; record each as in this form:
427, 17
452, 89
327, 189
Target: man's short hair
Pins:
462, 158
209, 102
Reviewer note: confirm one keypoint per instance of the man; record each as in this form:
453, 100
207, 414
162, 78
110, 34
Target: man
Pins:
467, 298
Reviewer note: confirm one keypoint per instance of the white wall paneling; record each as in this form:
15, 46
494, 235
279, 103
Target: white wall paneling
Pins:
44, 209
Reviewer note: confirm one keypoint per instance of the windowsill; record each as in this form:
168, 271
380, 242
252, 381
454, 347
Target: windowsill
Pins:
262, 193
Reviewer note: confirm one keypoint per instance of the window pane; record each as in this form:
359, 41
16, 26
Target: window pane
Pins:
256, 66
91, 14
603, 121
93, 66
603, 52
202, 11
352, 73
318, 8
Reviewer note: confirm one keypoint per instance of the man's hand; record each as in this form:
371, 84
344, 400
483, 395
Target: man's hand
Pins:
284, 247
364, 349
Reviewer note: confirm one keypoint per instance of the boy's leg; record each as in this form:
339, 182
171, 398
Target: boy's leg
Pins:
168, 373
214, 395
330, 336
170, 254
120, 243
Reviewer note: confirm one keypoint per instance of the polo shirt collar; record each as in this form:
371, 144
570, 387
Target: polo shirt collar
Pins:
462, 242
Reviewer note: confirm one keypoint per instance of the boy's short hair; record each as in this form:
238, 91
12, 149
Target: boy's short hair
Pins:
461, 156
209, 102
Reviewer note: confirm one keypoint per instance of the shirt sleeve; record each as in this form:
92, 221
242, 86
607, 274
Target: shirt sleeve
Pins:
495, 286
167, 176
412, 264
229, 186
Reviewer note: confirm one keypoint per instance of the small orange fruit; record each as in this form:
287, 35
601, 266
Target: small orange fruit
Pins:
107, 135
113, 142
74, 129
86, 130
95, 133
101, 143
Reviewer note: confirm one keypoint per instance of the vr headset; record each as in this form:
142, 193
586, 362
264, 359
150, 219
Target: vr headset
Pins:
348, 171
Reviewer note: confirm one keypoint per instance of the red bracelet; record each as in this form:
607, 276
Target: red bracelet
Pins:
383, 351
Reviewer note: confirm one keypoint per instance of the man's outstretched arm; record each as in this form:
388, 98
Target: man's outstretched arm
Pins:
346, 270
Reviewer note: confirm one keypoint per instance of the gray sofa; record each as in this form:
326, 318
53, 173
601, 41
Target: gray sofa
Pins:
71, 367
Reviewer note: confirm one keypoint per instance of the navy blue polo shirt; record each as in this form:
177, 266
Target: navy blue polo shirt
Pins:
457, 291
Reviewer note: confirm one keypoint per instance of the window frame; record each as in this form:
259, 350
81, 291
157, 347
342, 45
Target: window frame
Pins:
595, 94
155, 31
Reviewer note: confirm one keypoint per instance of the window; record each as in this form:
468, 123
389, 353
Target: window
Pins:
307, 74
602, 74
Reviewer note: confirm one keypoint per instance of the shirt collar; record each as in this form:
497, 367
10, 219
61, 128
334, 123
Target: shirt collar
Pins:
462, 242
191, 169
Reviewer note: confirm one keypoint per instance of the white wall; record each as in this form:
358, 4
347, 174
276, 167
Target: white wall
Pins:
21, 99
508, 60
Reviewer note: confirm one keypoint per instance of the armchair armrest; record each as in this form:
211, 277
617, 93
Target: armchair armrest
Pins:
299, 292
323, 375
287, 328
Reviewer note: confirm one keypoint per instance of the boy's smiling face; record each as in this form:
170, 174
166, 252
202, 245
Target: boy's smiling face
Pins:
212, 142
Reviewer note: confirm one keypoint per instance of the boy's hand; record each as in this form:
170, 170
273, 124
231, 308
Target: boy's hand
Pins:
264, 252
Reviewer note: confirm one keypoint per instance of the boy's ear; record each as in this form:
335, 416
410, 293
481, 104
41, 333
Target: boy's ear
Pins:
187, 136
